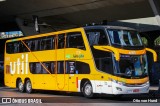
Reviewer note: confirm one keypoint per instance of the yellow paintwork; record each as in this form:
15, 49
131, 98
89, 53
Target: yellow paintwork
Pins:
118, 51
131, 81
132, 52
154, 54
111, 49
65, 82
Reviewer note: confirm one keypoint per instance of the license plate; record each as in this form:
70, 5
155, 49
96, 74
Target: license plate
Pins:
136, 90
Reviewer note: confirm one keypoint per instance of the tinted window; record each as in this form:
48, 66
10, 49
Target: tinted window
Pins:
97, 37
37, 68
103, 60
16, 47
82, 68
47, 66
61, 41
22, 47
71, 67
10, 47
43, 43
60, 67
75, 40
32, 67
28, 43
104, 64
47, 43
77, 67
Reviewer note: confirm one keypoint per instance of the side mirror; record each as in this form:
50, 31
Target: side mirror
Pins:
154, 54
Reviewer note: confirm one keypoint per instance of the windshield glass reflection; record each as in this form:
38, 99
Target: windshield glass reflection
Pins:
124, 37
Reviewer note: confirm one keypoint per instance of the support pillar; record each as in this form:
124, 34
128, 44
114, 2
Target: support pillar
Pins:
155, 9
28, 28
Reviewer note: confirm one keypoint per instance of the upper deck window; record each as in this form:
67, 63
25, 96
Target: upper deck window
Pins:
75, 40
124, 37
97, 37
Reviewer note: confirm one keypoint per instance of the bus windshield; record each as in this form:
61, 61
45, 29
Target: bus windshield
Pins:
132, 66
124, 37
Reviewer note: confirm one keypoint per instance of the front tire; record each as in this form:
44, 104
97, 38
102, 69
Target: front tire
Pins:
28, 86
87, 90
20, 86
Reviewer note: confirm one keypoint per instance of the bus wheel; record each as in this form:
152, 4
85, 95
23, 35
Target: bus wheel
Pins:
87, 90
28, 86
20, 86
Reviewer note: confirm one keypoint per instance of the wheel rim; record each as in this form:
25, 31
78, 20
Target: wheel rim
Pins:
20, 86
29, 86
88, 89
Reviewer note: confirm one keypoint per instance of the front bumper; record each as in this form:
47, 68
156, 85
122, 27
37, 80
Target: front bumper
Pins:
130, 89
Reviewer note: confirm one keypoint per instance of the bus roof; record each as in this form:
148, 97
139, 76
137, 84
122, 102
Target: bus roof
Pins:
65, 31
109, 27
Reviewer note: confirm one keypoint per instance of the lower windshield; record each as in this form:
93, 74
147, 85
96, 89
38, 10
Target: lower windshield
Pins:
132, 66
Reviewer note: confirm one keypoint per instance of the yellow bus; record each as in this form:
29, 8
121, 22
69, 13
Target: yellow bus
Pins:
91, 59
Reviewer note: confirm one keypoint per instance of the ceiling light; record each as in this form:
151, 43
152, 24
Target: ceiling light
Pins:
2, 0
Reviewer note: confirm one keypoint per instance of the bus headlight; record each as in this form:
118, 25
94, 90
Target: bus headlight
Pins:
120, 83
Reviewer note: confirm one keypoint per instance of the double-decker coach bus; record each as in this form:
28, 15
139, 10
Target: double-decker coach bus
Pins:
91, 59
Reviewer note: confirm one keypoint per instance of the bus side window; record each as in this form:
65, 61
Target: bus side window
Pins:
21, 47
16, 47
48, 43
77, 67
75, 40
103, 61
60, 67
61, 41
97, 37
38, 68
28, 44
10, 47
93, 38
24, 46
32, 45
70, 67
82, 68
50, 67
42, 44
46, 65
32, 67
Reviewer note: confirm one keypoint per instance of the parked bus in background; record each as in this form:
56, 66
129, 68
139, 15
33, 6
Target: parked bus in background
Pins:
91, 59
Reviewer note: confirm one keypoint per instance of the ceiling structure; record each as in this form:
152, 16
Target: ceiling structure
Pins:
74, 13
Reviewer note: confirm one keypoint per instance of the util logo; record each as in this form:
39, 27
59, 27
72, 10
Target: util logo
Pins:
20, 66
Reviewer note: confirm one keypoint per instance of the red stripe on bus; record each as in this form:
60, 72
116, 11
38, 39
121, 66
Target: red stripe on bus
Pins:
77, 82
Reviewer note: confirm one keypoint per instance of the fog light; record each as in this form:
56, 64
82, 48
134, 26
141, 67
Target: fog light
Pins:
119, 89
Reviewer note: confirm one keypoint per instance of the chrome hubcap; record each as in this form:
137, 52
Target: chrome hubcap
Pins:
20, 86
88, 89
29, 86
